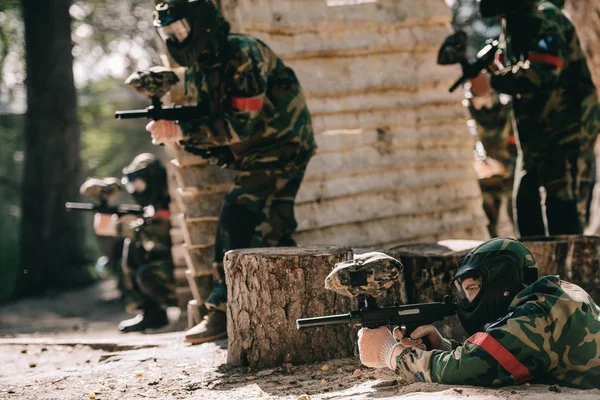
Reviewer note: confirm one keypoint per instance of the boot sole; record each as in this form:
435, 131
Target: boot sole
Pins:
205, 339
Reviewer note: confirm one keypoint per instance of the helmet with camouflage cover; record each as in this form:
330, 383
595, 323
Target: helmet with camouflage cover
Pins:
367, 274
155, 82
145, 178
193, 30
103, 189
489, 278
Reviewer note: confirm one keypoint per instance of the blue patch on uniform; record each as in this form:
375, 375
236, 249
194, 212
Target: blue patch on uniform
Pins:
548, 44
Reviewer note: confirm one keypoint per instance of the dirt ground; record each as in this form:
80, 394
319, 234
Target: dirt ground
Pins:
67, 347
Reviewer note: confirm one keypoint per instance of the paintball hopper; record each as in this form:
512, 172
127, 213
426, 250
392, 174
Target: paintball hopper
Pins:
367, 274
453, 50
105, 189
156, 82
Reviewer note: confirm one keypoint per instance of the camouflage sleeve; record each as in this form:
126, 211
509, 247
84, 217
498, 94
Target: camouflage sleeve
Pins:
540, 72
511, 352
246, 81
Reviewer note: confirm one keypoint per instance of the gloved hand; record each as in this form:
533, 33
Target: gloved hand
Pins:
103, 189
105, 224
438, 342
164, 132
378, 348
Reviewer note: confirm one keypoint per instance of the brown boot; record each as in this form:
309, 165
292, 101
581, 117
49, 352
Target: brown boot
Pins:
212, 327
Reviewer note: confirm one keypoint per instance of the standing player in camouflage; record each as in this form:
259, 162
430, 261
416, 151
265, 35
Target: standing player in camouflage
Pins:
149, 286
495, 152
546, 332
556, 112
253, 115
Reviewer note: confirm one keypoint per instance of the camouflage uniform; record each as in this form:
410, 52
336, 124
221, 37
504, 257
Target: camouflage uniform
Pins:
557, 117
550, 335
147, 262
254, 111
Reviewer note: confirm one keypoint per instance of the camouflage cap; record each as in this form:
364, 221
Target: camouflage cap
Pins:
103, 189
368, 274
157, 81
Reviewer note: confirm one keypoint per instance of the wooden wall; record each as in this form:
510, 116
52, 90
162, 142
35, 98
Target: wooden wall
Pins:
394, 163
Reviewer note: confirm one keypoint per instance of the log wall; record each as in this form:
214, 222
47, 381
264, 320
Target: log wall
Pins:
394, 163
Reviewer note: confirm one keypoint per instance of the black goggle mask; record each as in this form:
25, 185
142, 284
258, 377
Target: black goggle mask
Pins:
468, 287
173, 23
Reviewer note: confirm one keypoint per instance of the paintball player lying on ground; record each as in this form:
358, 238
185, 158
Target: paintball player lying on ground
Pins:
547, 331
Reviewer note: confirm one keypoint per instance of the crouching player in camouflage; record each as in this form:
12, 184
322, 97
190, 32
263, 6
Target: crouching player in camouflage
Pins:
252, 113
556, 112
545, 331
149, 286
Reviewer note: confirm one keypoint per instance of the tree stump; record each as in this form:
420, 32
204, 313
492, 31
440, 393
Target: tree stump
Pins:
428, 271
430, 267
269, 289
575, 258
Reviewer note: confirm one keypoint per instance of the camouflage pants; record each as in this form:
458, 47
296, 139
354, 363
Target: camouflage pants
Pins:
492, 201
257, 212
564, 176
148, 282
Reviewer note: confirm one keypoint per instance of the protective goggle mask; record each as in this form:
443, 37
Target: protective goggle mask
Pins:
467, 288
136, 185
177, 31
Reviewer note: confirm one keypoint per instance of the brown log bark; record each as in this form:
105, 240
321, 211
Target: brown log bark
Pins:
430, 267
272, 287
574, 258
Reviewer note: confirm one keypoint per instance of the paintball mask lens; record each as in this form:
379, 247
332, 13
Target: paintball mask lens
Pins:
177, 31
466, 288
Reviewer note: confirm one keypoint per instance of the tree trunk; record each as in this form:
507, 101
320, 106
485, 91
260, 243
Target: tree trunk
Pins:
52, 240
268, 290
575, 258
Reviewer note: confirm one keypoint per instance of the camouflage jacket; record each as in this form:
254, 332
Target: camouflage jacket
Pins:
152, 234
252, 103
554, 98
550, 335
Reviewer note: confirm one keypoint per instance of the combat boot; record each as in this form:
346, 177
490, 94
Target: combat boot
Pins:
212, 327
151, 318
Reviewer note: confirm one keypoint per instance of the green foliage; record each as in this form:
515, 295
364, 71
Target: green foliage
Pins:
105, 33
109, 144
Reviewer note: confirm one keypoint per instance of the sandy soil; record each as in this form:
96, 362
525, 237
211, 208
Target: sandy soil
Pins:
78, 354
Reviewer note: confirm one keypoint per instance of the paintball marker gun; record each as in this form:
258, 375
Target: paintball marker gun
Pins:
155, 83
410, 316
104, 208
366, 277
104, 190
453, 51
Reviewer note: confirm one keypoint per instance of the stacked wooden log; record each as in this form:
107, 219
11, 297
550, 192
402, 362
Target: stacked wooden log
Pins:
394, 163
200, 188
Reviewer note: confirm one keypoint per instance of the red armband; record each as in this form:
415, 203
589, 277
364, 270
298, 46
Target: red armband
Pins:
504, 357
247, 103
546, 59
